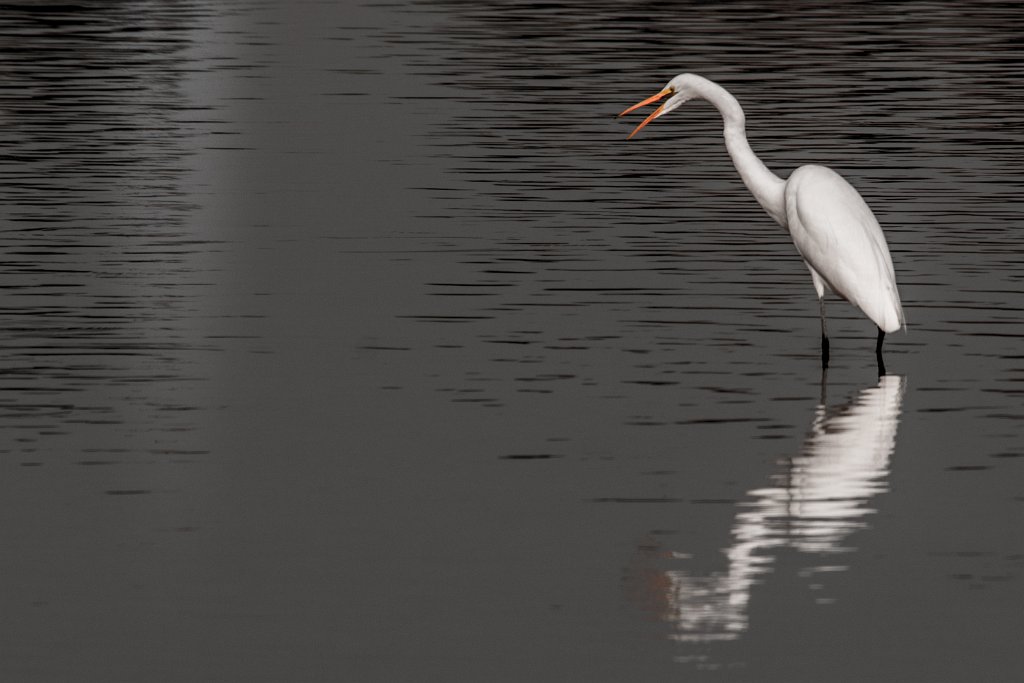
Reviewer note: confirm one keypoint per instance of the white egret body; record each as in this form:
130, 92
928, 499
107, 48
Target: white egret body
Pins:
831, 225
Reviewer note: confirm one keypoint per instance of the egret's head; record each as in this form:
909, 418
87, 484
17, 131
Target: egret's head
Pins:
681, 88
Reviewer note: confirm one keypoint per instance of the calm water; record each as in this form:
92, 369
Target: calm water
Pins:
353, 342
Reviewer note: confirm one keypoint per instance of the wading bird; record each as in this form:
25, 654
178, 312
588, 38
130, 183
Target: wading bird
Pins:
831, 225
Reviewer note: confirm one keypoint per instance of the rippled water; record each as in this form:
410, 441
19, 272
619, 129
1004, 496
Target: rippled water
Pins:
352, 341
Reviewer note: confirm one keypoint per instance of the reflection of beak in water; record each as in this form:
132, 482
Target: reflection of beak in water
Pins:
819, 499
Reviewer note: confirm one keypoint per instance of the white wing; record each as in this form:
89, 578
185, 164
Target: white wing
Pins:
836, 233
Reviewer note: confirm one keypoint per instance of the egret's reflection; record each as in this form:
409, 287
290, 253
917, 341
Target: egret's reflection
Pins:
813, 504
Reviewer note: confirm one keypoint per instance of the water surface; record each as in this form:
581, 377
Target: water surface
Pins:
352, 341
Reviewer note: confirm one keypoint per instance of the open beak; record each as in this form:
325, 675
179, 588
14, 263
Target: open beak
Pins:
655, 114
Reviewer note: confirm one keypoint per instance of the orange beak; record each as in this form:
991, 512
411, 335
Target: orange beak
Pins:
657, 112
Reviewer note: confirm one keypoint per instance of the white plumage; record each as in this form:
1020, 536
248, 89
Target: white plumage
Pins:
842, 243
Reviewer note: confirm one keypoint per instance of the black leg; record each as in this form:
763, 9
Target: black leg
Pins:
824, 335
878, 352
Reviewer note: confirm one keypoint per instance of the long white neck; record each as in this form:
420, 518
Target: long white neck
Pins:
768, 189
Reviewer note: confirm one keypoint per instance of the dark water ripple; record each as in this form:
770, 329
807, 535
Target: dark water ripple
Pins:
101, 271
353, 341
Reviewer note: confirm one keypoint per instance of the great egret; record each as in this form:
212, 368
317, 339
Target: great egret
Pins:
831, 225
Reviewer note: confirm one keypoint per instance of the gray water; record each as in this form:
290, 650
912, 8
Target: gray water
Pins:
353, 342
